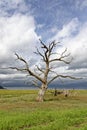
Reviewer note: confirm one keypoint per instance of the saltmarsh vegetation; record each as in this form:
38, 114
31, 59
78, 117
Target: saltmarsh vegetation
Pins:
20, 111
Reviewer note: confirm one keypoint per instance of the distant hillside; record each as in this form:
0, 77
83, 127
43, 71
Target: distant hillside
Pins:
1, 87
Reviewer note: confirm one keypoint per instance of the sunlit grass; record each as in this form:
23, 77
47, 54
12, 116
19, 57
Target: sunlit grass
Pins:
20, 111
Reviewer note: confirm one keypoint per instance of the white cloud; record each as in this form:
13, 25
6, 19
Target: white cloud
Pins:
17, 30
17, 33
67, 29
12, 76
73, 41
76, 44
7, 7
81, 4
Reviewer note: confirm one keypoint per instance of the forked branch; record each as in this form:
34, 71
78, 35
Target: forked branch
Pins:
39, 53
62, 57
30, 72
62, 76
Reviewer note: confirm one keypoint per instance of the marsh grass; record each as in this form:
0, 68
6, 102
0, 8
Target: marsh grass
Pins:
20, 111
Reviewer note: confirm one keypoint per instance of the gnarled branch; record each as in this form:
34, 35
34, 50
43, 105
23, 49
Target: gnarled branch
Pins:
27, 68
41, 70
62, 76
62, 57
39, 53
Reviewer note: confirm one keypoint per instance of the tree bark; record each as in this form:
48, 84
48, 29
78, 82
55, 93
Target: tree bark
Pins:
41, 93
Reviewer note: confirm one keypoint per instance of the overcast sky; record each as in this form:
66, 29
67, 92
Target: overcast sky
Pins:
23, 22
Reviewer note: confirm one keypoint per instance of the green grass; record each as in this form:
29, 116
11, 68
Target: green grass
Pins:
20, 111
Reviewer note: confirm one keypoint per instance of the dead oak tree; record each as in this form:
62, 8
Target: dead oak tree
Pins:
48, 57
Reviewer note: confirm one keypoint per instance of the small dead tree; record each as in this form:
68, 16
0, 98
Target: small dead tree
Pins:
48, 57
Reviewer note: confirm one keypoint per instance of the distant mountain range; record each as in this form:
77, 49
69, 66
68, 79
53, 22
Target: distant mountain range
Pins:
1, 87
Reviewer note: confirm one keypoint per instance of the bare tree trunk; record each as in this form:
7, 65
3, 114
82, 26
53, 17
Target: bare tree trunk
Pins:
41, 93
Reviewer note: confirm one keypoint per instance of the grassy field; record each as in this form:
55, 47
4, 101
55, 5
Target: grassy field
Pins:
20, 111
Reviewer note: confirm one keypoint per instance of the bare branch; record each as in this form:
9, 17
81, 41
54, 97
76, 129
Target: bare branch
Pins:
39, 69
63, 76
18, 69
52, 45
34, 82
43, 45
27, 69
64, 52
61, 58
39, 53
21, 59
66, 62
46, 50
